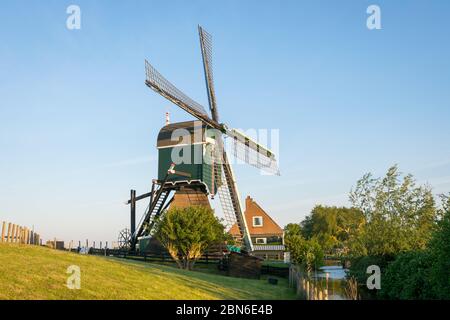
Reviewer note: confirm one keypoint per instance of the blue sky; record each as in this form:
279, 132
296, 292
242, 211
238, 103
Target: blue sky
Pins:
78, 126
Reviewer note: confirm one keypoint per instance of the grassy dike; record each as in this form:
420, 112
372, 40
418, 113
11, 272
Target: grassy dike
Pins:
31, 272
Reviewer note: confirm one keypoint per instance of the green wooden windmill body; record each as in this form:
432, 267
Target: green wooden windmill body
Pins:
190, 146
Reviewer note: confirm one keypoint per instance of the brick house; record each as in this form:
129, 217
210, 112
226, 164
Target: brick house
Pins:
267, 236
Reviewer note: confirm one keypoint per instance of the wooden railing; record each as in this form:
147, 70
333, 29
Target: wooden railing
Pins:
14, 233
152, 256
306, 287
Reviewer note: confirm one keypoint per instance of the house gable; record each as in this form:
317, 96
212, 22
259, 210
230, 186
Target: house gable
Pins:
254, 213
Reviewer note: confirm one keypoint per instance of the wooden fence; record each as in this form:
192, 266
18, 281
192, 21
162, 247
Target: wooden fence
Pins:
14, 233
162, 257
306, 287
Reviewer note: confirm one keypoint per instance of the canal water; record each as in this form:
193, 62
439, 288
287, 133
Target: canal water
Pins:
336, 280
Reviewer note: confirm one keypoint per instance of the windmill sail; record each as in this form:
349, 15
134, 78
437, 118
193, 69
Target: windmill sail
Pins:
231, 202
252, 152
206, 47
161, 85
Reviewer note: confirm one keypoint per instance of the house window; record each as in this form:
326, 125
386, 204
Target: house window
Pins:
257, 221
261, 240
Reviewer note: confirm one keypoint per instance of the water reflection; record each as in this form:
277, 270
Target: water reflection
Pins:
335, 281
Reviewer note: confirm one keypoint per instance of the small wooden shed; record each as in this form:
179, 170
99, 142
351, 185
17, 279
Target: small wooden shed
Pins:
242, 265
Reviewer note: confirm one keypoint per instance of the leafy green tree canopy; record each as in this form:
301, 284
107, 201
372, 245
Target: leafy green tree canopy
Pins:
187, 232
307, 253
400, 216
332, 227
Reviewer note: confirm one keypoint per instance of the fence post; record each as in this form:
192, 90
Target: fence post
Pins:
13, 233
303, 286
8, 239
25, 235
3, 231
307, 290
17, 234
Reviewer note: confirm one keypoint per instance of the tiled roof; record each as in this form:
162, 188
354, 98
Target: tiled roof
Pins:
252, 209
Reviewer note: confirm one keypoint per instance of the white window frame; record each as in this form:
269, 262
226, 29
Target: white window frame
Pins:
264, 240
259, 225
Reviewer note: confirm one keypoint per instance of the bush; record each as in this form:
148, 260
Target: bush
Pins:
187, 232
307, 253
440, 253
408, 277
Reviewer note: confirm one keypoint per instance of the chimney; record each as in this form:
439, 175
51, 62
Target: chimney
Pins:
167, 118
248, 202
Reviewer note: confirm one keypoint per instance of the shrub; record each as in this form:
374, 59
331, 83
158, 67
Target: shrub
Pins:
407, 277
307, 253
187, 232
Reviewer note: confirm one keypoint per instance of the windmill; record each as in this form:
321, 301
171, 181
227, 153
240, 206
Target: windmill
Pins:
215, 177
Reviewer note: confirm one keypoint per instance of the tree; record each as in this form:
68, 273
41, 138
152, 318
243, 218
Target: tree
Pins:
187, 232
440, 252
290, 230
400, 216
307, 253
332, 227
407, 277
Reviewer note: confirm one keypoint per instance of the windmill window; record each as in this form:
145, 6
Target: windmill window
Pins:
257, 221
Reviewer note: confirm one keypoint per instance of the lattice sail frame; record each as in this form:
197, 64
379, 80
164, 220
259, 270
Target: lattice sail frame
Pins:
223, 190
207, 51
251, 152
161, 85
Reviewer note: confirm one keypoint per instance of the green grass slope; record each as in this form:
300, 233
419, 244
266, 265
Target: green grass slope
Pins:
30, 272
